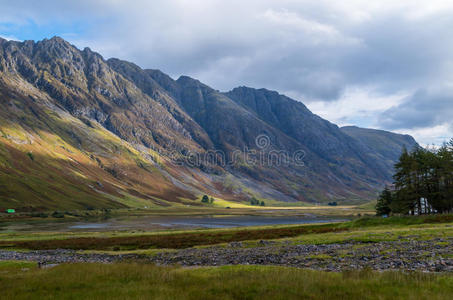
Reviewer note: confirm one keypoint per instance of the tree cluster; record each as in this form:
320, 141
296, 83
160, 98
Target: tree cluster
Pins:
423, 183
257, 202
206, 199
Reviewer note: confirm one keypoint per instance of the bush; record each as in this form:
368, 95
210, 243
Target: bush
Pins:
30, 155
254, 201
57, 214
39, 215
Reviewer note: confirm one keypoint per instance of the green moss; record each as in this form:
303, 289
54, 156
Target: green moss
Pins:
320, 256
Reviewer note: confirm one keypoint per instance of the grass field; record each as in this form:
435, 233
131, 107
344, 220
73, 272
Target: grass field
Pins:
368, 229
218, 208
133, 281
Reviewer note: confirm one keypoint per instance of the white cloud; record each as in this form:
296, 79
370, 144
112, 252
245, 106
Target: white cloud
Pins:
427, 113
428, 136
348, 60
9, 38
357, 105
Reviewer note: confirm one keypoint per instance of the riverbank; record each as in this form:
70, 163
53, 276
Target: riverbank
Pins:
404, 243
384, 258
407, 254
276, 211
149, 223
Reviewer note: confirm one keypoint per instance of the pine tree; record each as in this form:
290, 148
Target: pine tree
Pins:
423, 182
444, 199
404, 185
383, 203
205, 199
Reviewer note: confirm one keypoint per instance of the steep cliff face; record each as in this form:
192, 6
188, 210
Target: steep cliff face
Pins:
113, 133
294, 119
319, 135
86, 86
144, 81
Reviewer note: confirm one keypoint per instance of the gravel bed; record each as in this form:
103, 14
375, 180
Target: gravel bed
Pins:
435, 255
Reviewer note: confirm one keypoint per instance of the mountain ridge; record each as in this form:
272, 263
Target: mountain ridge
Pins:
154, 125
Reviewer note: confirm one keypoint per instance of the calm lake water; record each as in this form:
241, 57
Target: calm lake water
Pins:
164, 222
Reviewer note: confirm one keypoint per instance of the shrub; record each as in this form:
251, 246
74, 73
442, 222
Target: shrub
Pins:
57, 214
254, 201
30, 155
39, 215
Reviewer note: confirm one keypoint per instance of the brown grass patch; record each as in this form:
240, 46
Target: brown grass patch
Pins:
170, 241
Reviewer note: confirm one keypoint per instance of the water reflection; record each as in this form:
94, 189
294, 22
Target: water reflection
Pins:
165, 222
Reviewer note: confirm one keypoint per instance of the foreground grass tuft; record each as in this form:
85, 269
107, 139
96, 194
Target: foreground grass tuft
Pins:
134, 281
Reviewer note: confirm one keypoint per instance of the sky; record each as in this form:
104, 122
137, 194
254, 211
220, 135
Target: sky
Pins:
378, 64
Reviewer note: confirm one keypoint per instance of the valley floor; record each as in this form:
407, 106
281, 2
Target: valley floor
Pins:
407, 257
432, 255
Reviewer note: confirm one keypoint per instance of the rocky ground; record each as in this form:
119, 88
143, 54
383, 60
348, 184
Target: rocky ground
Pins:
435, 255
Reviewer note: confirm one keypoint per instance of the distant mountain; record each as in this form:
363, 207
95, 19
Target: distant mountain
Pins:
81, 132
384, 146
323, 138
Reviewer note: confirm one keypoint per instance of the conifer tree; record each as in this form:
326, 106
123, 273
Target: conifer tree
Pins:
423, 182
383, 203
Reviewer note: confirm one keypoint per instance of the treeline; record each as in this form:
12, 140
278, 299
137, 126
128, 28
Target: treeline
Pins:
423, 183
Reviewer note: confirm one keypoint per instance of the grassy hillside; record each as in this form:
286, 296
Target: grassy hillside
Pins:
51, 160
78, 132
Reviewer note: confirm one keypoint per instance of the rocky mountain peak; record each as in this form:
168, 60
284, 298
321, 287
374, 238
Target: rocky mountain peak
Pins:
151, 112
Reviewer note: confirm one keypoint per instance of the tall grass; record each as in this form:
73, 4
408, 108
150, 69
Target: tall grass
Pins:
134, 281
399, 220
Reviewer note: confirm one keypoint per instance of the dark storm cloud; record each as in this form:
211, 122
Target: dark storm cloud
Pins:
422, 109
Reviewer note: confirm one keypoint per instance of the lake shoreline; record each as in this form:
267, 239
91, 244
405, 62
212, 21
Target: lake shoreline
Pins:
337, 257
153, 223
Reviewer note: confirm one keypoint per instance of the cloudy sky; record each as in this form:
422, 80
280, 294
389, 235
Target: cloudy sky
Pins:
380, 64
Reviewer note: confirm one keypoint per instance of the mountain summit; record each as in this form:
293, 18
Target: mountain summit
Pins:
78, 132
